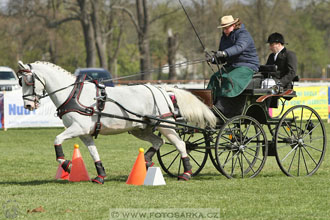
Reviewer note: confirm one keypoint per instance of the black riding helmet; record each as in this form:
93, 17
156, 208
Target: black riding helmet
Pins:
276, 38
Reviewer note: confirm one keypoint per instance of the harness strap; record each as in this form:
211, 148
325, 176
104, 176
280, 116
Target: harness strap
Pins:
100, 103
166, 115
153, 96
72, 103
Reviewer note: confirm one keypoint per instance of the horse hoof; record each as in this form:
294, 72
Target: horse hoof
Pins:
185, 176
98, 180
149, 164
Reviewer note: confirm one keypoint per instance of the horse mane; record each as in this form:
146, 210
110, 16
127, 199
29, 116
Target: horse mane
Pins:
54, 66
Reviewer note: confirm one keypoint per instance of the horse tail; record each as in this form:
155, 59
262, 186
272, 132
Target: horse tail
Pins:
193, 109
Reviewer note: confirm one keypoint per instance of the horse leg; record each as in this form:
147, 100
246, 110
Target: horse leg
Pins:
89, 142
156, 141
180, 145
70, 132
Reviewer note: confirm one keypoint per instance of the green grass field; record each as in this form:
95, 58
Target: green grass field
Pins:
28, 168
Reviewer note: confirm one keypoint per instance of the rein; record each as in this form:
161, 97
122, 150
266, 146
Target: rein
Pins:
191, 62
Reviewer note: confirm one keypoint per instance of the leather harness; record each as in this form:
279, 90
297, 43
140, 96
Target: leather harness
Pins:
72, 104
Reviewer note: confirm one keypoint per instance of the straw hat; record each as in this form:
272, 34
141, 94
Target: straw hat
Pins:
227, 21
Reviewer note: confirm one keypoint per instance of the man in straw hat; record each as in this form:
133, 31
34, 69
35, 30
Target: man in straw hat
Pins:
237, 49
284, 59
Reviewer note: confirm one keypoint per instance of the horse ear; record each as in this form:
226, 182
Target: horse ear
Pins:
21, 66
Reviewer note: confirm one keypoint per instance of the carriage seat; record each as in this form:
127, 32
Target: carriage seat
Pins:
265, 72
269, 71
255, 82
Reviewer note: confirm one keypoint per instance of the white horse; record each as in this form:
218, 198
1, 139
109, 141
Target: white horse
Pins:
82, 104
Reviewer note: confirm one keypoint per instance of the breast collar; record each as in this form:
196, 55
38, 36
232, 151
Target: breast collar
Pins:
72, 103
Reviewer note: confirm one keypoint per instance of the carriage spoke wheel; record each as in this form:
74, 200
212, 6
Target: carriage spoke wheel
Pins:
197, 148
212, 136
241, 148
300, 141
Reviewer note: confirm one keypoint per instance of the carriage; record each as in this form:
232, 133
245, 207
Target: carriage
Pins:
237, 147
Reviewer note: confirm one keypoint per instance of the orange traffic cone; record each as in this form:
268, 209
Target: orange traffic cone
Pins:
78, 169
61, 174
139, 171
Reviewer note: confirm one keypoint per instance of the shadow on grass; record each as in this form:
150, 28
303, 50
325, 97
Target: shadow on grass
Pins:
219, 176
123, 178
119, 178
33, 182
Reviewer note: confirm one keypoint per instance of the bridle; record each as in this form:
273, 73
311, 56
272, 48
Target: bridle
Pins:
30, 78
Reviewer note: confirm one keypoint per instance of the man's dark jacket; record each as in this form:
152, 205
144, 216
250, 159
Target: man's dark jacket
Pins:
286, 63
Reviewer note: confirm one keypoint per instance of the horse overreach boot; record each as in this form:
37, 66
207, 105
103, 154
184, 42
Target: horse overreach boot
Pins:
100, 173
148, 157
187, 169
66, 165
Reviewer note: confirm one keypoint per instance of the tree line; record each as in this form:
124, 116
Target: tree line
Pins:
140, 37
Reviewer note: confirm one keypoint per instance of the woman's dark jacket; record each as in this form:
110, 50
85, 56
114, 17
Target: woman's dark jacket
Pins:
240, 49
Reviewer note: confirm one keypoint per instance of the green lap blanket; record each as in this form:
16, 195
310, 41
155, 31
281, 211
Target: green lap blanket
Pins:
233, 82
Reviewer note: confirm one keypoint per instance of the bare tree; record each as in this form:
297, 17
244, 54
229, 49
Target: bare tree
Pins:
262, 17
141, 23
172, 47
143, 38
100, 40
88, 30
114, 43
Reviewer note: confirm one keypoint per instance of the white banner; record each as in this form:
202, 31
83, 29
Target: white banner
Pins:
16, 116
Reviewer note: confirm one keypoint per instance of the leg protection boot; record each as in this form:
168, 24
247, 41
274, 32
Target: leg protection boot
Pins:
187, 169
100, 173
148, 157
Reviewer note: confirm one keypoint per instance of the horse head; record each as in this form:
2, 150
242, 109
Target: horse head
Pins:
33, 87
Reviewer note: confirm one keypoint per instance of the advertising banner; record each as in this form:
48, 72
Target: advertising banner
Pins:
328, 104
16, 116
1, 110
315, 97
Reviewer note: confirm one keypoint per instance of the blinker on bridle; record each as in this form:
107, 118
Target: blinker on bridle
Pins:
29, 78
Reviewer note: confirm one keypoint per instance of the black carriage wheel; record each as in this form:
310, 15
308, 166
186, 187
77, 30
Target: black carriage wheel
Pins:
197, 147
241, 148
212, 139
300, 141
